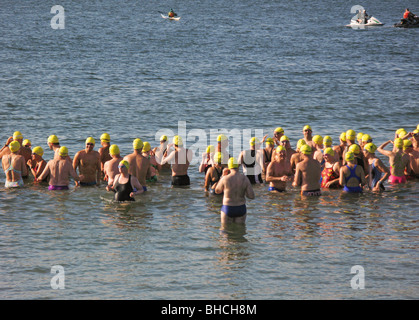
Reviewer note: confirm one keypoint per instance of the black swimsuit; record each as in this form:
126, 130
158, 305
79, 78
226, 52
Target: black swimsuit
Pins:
123, 191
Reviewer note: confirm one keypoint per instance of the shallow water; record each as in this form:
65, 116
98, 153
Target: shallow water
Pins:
117, 67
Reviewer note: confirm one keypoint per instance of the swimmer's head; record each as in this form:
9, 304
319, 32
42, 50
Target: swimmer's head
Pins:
53, 139
232, 163
279, 130
163, 138
407, 144
307, 128
90, 140
359, 136
306, 149
114, 150
105, 137
221, 137
350, 135
327, 141
210, 149
329, 151
17, 135
177, 141
399, 130
349, 156
63, 151
284, 138
269, 141
343, 136
123, 163
14, 146
398, 143
218, 157
281, 150
370, 147
318, 139
27, 143
366, 138
137, 144
38, 150
146, 147
354, 148
253, 141
300, 143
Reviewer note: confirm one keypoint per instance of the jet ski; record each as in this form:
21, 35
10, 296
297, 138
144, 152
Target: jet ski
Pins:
404, 23
361, 23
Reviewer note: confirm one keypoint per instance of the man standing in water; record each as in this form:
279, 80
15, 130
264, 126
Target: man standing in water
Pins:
279, 171
110, 168
308, 173
105, 141
88, 162
139, 166
235, 188
159, 152
179, 159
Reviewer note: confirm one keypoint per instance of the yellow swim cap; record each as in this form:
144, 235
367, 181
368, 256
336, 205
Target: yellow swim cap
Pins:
221, 137
359, 136
402, 133
146, 147
163, 138
398, 143
370, 147
210, 149
38, 150
406, 144
14, 146
329, 151
279, 130
17, 135
53, 139
63, 151
417, 128
232, 163
350, 135
280, 148
366, 138
269, 141
343, 136
301, 143
318, 139
349, 156
114, 150
105, 137
306, 149
399, 130
284, 138
26, 142
307, 127
177, 141
124, 163
327, 141
137, 144
218, 157
354, 148
90, 140
416, 131
254, 141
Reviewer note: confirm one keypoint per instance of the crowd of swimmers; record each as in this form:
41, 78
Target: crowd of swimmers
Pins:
351, 165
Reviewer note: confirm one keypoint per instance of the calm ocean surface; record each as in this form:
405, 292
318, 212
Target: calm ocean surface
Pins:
118, 67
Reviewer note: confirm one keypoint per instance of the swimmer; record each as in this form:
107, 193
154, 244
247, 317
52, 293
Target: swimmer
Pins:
222, 146
139, 166
399, 161
54, 145
159, 152
88, 163
378, 173
110, 168
252, 161
125, 185
297, 156
308, 173
307, 131
37, 164
279, 171
105, 141
23, 151
350, 140
235, 188
285, 142
356, 150
331, 171
207, 160
413, 158
339, 149
278, 133
179, 159
318, 149
366, 138
267, 155
154, 166
14, 166
352, 176
214, 173
58, 171
27, 143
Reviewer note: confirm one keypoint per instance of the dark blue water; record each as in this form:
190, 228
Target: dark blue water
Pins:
243, 66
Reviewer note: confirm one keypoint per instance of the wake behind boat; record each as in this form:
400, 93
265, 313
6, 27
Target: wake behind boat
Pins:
170, 18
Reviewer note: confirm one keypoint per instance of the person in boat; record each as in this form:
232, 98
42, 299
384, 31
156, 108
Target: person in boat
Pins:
363, 17
172, 14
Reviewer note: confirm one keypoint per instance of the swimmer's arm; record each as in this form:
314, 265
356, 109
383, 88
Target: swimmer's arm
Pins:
136, 185
44, 173
24, 167
169, 158
76, 161
220, 186
207, 179
342, 177
98, 170
75, 176
297, 177
269, 175
385, 152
